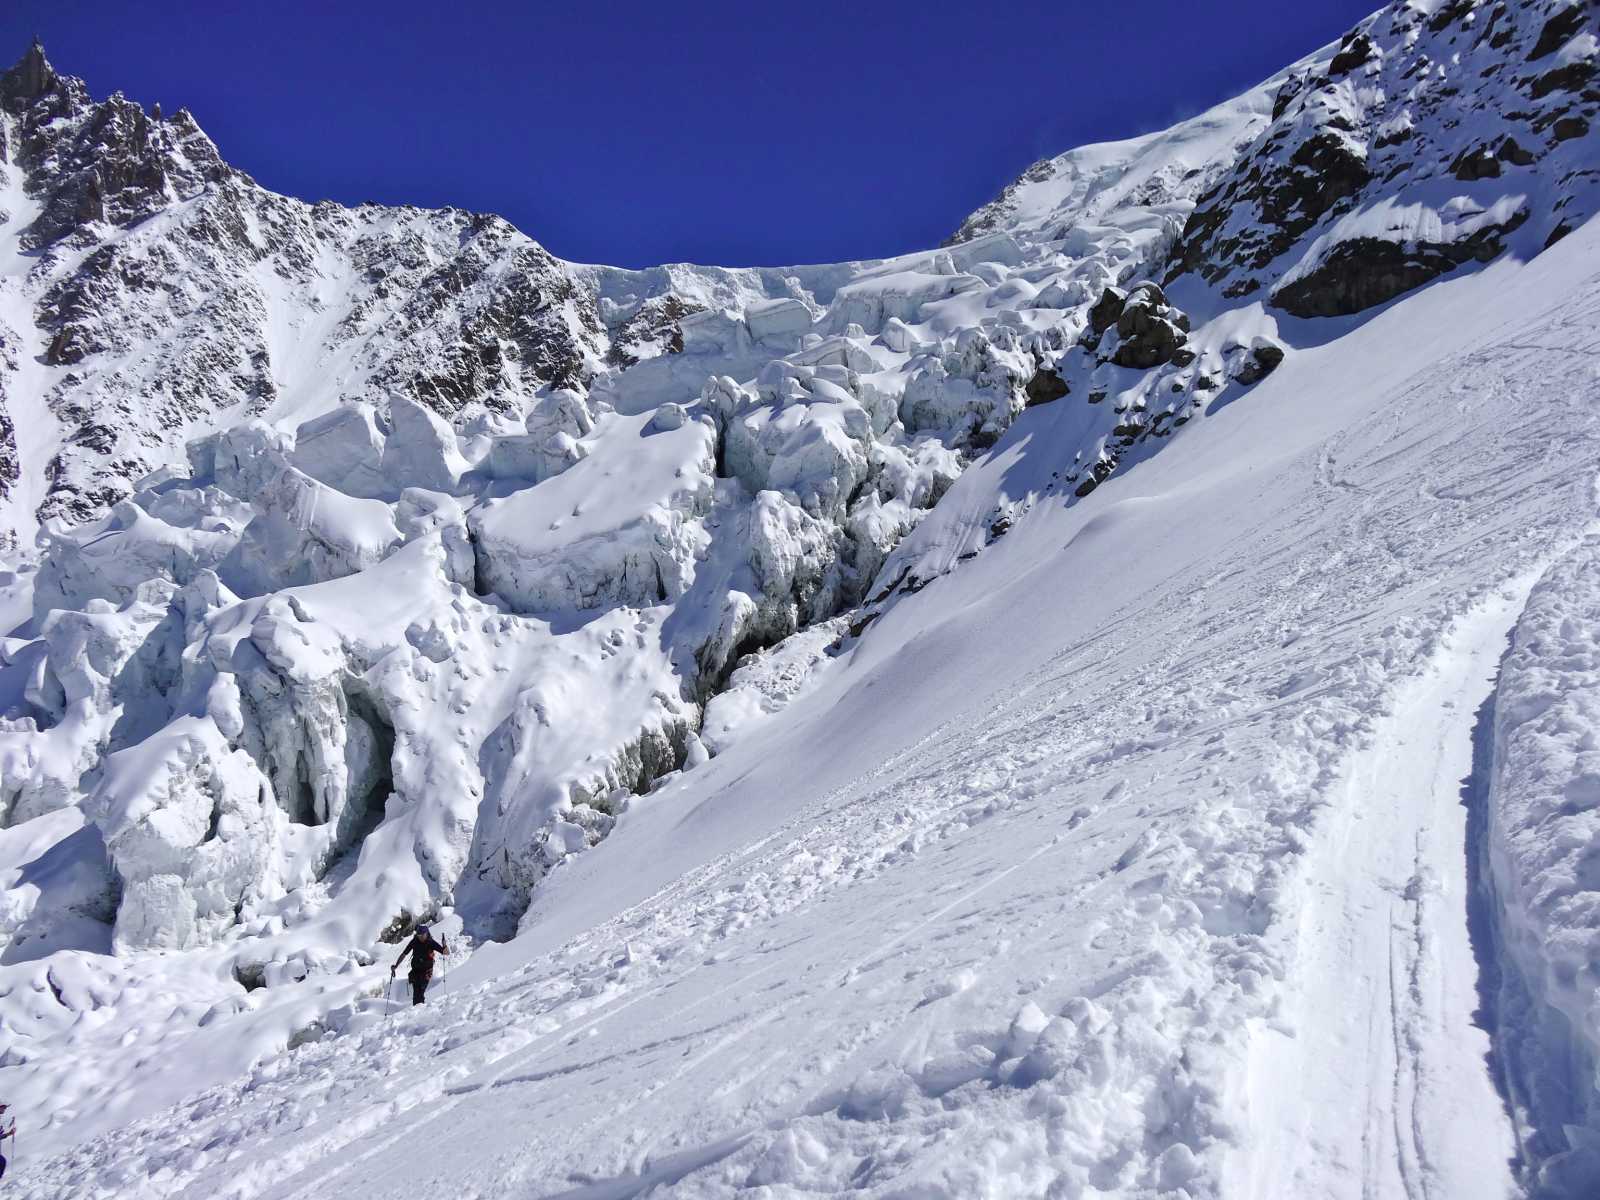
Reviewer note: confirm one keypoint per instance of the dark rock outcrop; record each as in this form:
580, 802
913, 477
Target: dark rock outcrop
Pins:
1354, 49
1569, 127
1259, 361
1333, 146
1045, 386
654, 327
1478, 163
1149, 330
1556, 32
1105, 311
1361, 272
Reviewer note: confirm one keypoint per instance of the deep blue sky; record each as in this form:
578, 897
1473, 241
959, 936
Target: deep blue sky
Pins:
737, 133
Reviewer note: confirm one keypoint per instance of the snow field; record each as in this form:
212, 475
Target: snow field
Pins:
1016, 932
339, 674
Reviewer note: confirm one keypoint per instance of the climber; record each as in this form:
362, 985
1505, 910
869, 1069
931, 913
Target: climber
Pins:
4, 1134
422, 948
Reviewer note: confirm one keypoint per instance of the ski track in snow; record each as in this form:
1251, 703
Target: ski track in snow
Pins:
1373, 1080
1053, 943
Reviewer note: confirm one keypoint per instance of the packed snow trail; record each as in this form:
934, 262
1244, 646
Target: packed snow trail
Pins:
1373, 1079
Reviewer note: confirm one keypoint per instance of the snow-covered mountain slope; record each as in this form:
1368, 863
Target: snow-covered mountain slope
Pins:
1018, 897
1425, 139
899, 711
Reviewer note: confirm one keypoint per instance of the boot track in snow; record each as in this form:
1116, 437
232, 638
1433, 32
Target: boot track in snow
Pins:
1378, 1078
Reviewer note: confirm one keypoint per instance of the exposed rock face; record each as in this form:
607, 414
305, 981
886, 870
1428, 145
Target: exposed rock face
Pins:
1354, 50
1257, 362
1357, 273
1105, 311
1138, 329
1357, 153
1149, 330
655, 328
105, 163
166, 282
1045, 386
10, 467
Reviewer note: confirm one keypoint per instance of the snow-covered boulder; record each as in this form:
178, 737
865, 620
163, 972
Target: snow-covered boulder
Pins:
1253, 363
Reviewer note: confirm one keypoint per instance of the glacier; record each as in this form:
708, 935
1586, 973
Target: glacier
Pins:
1094, 708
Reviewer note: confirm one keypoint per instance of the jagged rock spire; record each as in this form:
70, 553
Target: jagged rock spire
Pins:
31, 78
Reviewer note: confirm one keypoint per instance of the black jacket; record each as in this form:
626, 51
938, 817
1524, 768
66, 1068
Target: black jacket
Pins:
422, 948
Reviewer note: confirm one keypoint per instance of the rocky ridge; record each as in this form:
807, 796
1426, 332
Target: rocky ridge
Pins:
1368, 182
